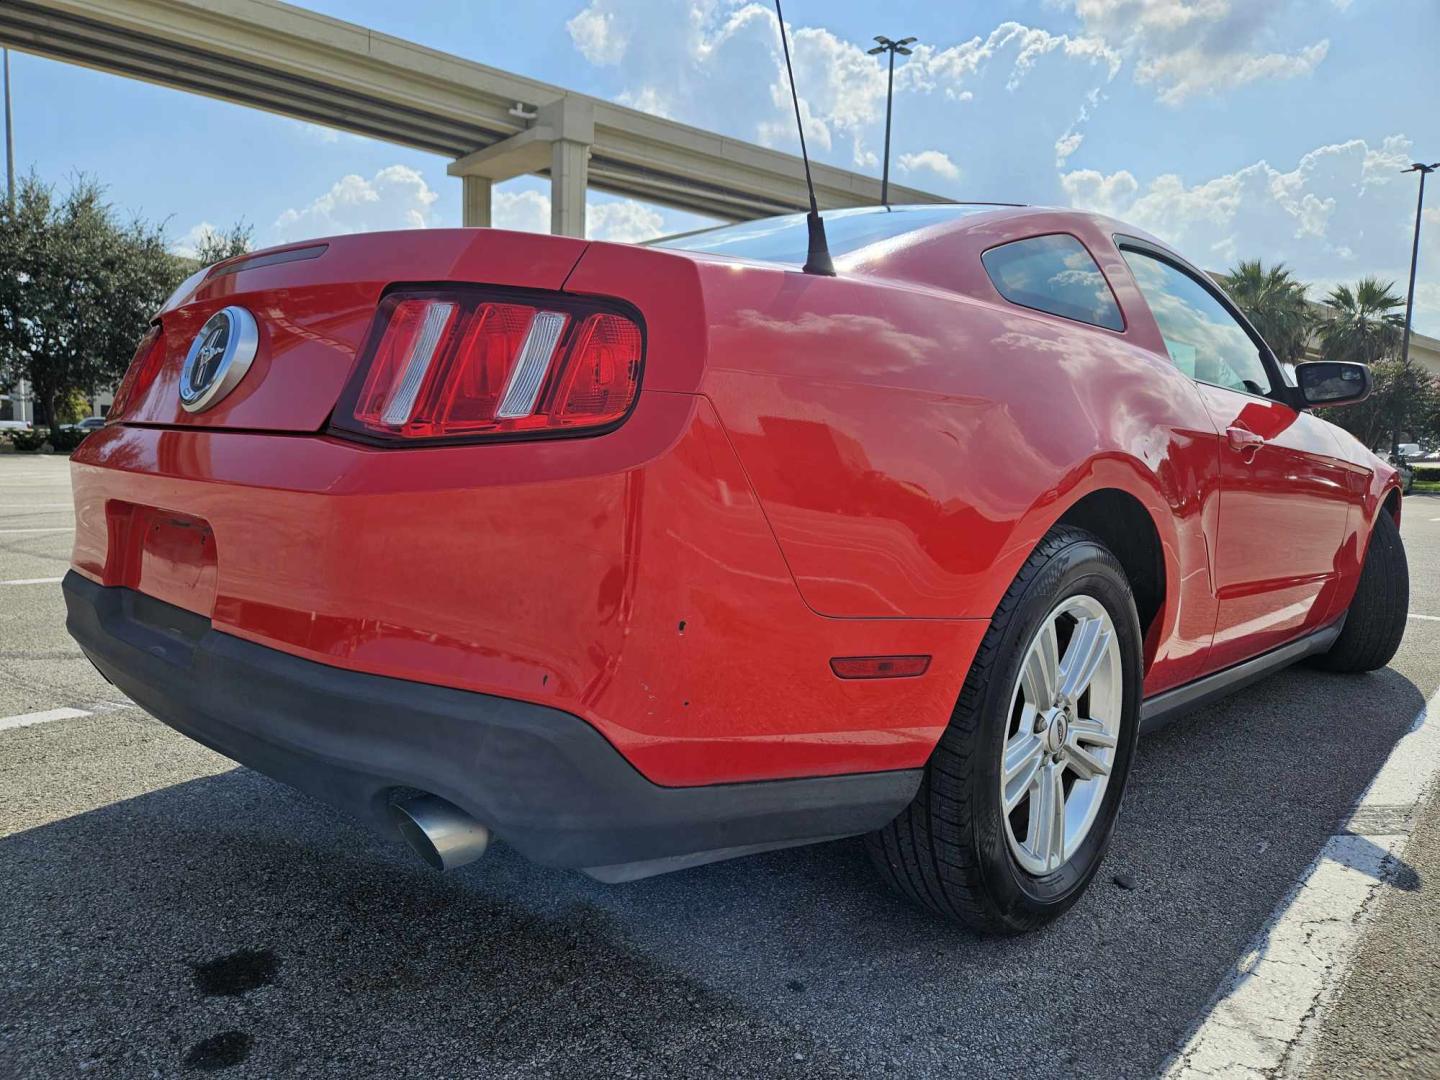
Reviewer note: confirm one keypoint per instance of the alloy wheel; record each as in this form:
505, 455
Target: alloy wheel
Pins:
1065, 712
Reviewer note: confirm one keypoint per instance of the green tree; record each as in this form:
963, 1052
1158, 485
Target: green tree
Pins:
1275, 302
1365, 322
216, 246
1404, 398
1365, 326
77, 288
72, 408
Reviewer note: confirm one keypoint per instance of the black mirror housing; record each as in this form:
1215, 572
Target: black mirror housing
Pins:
1324, 383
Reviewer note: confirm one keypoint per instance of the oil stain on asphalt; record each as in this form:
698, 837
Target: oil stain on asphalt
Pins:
236, 973
222, 1051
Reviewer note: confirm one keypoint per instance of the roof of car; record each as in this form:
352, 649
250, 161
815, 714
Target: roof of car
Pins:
783, 239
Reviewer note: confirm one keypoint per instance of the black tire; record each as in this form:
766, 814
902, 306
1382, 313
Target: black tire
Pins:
1375, 622
948, 850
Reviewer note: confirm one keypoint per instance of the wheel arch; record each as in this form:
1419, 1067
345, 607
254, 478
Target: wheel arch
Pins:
1125, 526
1152, 523
1390, 503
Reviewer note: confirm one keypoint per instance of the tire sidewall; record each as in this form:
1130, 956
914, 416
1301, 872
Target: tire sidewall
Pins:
1084, 566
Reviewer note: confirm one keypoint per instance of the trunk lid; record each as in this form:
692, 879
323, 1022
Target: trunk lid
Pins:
313, 306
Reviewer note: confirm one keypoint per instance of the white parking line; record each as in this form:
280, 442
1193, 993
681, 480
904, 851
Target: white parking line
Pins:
27, 719
32, 581
1426, 618
63, 528
1265, 1013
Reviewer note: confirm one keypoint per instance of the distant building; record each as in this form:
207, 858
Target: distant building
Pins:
18, 403
1425, 351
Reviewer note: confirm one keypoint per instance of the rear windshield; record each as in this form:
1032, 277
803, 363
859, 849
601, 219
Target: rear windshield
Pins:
786, 240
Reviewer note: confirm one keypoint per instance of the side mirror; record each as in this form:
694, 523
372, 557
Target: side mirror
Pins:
1321, 383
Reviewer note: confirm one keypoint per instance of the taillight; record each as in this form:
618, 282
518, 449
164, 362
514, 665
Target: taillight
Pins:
461, 364
139, 375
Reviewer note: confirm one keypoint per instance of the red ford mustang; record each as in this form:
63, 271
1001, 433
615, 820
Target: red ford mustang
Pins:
641, 557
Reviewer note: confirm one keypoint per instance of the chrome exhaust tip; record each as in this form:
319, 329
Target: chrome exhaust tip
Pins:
440, 832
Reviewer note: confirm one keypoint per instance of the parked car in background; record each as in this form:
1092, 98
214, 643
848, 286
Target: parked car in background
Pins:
90, 423
641, 557
15, 425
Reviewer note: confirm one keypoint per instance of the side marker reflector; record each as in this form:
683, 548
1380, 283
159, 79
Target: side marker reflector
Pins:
879, 667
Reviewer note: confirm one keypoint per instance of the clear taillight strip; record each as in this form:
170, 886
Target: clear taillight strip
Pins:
535, 355
402, 402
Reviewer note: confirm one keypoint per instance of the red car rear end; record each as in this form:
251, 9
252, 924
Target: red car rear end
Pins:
574, 624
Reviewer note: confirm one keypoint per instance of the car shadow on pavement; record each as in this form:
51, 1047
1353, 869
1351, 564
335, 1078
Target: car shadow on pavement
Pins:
792, 963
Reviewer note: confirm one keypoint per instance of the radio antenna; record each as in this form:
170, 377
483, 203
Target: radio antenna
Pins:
817, 260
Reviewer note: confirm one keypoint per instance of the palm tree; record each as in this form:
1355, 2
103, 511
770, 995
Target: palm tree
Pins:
1275, 303
1364, 326
1365, 322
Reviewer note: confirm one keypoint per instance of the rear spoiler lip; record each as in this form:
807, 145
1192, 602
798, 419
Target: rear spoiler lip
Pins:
256, 259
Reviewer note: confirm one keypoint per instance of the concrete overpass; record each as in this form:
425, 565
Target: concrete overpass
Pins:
494, 125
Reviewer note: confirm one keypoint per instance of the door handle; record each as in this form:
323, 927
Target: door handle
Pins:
1244, 440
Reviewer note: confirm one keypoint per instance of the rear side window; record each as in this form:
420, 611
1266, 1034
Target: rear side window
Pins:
1056, 274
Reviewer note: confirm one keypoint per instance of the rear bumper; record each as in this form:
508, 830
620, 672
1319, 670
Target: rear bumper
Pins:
545, 781
630, 580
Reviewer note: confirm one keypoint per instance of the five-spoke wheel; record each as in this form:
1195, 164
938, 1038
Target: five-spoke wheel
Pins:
1019, 799
1064, 727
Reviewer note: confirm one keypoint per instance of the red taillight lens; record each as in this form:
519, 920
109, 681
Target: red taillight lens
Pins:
457, 365
139, 375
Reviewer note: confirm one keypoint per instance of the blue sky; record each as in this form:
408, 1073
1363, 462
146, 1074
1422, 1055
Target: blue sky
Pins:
1232, 128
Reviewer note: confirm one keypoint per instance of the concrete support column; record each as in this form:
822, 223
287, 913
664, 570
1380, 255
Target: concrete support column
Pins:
558, 138
475, 201
569, 167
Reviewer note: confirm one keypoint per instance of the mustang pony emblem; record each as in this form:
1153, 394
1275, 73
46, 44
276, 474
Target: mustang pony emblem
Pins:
219, 357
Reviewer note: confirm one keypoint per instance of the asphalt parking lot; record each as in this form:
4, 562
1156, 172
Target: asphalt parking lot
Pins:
163, 912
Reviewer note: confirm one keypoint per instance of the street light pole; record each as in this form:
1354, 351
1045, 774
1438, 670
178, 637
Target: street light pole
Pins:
9, 138
1424, 171
892, 47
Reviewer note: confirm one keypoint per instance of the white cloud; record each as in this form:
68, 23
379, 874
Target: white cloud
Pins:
1191, 71
626, 222
396, 197
1091, 190
1024, 48
523, 211
933, 160
1343, 211
648, 99
1187, 48
194, 236
594, 34
623, 221
1066, 145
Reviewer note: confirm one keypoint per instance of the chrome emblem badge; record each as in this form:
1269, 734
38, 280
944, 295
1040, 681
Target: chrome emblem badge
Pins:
218, 359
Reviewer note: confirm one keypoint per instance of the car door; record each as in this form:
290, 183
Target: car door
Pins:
1284, 490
